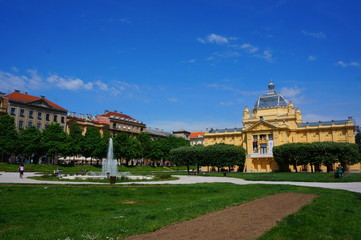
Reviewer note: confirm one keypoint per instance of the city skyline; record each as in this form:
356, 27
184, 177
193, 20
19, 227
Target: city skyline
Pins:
184, 64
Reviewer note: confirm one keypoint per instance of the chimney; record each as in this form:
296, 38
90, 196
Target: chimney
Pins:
42, 96
2, 94
115, 111
106, 111
17, 91
26, 93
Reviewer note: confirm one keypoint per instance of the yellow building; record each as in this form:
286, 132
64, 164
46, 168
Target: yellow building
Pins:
275, 121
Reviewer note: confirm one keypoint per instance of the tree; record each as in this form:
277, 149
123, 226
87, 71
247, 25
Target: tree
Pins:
8, 135
157, 151
145, 145
54, 141
75, 142
91, 143
290, 154
120, 145
30, 143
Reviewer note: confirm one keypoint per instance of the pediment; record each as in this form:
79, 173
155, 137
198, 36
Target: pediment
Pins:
261, 126
40, 103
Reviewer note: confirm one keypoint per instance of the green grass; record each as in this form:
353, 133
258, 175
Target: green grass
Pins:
293, 177
52, 177
69, 212
48, 168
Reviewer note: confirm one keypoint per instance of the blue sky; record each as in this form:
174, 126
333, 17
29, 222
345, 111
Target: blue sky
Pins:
184, 64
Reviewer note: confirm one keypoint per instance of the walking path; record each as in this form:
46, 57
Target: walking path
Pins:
11, 177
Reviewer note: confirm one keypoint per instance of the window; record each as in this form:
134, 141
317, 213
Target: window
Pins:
12, 111
40, 116
21, 124
255, 138
55, 118
30, 124
262, 137
38, 125
62, 119
47, 117
22, 112
30, 114
270, 137
114, 125
263, 148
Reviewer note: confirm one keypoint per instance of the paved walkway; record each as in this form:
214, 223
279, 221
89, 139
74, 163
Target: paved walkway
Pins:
11, 177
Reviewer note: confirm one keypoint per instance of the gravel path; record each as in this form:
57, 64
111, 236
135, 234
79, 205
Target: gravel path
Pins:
246, 221
11, 177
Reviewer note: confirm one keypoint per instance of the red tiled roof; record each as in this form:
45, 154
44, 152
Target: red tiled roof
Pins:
21, 97
121, 115
84, 120
196, 134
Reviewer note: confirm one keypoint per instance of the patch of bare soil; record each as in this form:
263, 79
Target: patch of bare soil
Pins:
246, 221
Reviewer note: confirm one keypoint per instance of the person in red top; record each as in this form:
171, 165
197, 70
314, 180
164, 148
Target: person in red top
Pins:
21, 169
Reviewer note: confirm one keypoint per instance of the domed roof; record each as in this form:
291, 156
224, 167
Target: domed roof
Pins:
271, 99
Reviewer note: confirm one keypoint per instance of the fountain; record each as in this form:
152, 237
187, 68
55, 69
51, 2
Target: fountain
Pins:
109, 165
109, 169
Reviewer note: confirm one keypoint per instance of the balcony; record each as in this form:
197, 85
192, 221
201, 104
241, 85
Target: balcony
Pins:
259, 155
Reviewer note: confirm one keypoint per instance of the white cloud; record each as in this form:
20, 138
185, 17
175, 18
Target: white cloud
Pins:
318, 35
32, 80
293, 93
189, 61
170, 126
201, 40
69, 83
350, 64
249, 48
311, 58
9, 82
215, 38
102, 86
222, 87
210, 58
266, 55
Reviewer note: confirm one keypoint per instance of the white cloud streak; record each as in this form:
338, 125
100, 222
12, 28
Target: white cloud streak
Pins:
350, 64
32, 81
215, 38
318, 35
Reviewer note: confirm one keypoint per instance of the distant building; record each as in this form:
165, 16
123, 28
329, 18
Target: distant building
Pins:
3, 104
275, 121
34, 111
182, 133
157, 133
197, 138
119, 122
85, 121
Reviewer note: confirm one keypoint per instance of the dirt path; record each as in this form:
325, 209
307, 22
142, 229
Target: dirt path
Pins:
246, 221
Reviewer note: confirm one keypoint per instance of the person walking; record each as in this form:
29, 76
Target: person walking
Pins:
21, 169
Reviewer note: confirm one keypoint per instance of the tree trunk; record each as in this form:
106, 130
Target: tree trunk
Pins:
295, 167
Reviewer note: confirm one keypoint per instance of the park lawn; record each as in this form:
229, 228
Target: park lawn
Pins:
49, 168
53, 177
103, 212
293, 177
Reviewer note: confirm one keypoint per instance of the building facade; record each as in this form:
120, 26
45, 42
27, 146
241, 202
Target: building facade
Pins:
35, 111
182, 133
196, 138
4, 103
85, 121
119, 122
275, 121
